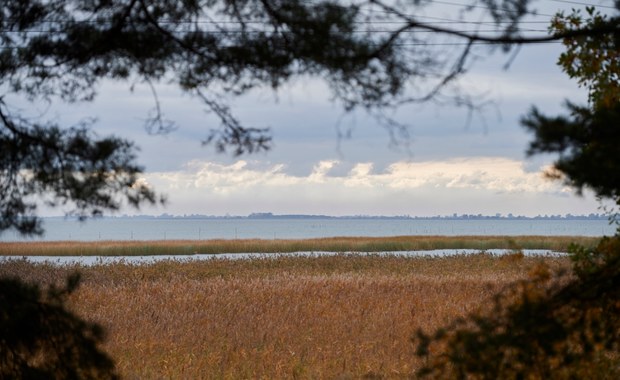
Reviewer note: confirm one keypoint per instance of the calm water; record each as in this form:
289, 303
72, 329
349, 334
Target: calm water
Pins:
169, 229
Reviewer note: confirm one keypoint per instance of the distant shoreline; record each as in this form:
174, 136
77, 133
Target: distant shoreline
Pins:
270, 216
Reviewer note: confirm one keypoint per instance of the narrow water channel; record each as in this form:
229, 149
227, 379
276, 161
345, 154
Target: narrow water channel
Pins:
102, 260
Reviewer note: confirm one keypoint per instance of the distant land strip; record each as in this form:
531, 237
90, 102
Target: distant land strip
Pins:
269, 215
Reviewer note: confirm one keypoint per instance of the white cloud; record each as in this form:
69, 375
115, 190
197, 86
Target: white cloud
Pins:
464, 185
320, 170
482, 173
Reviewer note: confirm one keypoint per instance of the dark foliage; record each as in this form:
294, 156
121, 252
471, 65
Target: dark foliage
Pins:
546, 327
62, 165
41, 339
587, 143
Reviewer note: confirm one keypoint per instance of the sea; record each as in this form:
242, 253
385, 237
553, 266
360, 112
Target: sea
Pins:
60, 229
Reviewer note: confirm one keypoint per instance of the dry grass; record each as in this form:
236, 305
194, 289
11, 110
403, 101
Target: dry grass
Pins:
327, 317
340, 244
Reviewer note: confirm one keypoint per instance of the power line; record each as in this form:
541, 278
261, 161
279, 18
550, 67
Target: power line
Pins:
487, 8
181, 22
440, 21
473, 43
586, 4
264, 23
443, 20
403, 44
464, 6
239, 31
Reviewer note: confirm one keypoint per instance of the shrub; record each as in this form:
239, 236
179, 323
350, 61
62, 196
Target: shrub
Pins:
41, 339
549, 326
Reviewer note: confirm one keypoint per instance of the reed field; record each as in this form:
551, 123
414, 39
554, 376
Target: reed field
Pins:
340, 244
339, 317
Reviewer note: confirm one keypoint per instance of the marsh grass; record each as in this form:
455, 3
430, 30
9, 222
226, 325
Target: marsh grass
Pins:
338, 244
321, 317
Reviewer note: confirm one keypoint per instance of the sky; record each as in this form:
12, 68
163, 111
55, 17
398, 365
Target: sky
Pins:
450, 165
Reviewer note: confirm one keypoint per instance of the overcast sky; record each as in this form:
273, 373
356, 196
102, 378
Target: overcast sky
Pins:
450, 165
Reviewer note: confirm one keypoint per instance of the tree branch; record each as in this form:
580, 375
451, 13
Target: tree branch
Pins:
612, 27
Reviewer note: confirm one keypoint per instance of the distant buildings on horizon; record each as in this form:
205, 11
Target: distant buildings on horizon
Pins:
455, 216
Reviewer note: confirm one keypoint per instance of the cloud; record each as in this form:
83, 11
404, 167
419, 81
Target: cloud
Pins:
481, 173
320, 170
141, 183
469, 185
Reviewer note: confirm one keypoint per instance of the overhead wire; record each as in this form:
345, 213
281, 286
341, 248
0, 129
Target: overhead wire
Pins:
586, 4
239, 31
442, 19
471, 6
400, 44
438, 21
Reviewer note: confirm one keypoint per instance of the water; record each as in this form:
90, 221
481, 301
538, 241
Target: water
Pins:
201, 229
136, 260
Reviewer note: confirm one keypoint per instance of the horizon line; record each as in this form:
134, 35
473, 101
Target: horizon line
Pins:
269, 215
